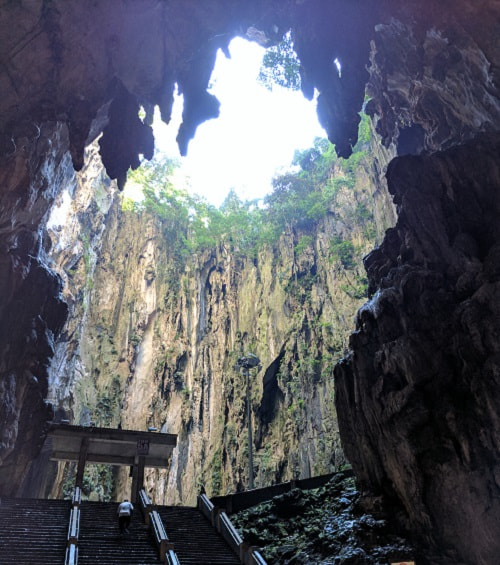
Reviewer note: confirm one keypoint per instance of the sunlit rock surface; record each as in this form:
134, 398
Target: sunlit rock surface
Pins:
152, 338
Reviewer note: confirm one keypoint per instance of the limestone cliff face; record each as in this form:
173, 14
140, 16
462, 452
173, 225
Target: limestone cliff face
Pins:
71, 71
153, 342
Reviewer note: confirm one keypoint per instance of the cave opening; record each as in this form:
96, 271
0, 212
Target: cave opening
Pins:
262, 122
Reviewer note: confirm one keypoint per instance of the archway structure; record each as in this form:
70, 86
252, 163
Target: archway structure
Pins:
131, 448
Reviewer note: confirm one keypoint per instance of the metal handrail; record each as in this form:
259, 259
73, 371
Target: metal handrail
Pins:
229, 532
74, 525
256, 558
77, 497
165, 546
146, 505
71, 557
171, 558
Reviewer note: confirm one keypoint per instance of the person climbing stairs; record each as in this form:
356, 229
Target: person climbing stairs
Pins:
100, 541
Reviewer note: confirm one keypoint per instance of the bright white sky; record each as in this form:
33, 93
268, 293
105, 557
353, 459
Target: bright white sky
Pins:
252, 140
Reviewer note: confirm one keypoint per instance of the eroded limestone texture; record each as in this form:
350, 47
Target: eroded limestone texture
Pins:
31, 309
153, 337
434, 81
418, 398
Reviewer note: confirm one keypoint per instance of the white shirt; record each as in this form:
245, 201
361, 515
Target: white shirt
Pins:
125, 508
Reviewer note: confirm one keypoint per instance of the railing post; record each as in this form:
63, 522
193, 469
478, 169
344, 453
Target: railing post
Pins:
205, 507
215, 517
244, 549
82, 459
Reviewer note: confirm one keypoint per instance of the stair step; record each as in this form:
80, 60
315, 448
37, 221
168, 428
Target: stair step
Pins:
33, 527
101, 542
194, 538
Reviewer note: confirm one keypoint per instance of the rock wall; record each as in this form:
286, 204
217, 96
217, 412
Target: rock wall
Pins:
31, 311
152, 341
417, 398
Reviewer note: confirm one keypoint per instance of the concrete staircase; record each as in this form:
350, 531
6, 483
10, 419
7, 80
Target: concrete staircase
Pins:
33, 531
196, 541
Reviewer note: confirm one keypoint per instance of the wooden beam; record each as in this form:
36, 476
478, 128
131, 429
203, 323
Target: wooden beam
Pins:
120, 436
140, 472
135, 472
82, 458
156, 462
112, 447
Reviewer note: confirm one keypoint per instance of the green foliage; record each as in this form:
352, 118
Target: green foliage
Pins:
128, 205
322, 525
68, 480
364, 133
98, 482
216, 473
303, 244
104, 411
318, 159
357, 288
343, 251
280, 65
88, 264
134, 339
190, 223
299, 199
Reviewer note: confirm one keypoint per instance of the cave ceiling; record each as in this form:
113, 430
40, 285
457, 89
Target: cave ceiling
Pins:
91, 66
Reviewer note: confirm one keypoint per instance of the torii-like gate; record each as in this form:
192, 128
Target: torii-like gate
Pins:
135, 449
